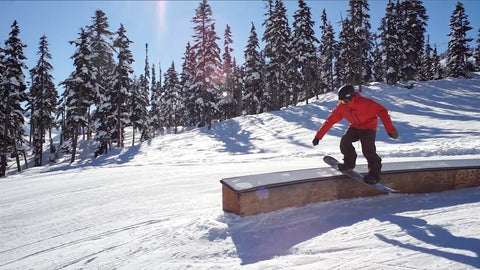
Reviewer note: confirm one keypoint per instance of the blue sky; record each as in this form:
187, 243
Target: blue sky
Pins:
166, 25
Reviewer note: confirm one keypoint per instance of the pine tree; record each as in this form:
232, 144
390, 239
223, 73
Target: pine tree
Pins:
190, 89
362, 43
254, 75
346, 65
327, 51
477, 53
171, 102
80, 86
412, 23
230, 104
391, 43
207, 54
12, 96
153, 85
458, 50
237, 84
139, 102
270, 93
101, 45
122, 85
155, 99
145, 85
437, 71
378, 66
304, 44
227, 63
181, 101
425, 71
43, 101
138, 106
226, 102
2, 95
277, 37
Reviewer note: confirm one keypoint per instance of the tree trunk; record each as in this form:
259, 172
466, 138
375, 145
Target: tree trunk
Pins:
17, 159
3, 166
74, 144
133, 135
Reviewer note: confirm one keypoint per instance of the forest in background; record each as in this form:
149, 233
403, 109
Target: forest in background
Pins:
102, 95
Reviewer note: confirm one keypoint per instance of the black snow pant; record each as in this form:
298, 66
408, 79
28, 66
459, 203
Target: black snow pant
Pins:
367, 139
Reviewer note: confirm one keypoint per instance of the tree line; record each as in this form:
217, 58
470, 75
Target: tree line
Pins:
102, 95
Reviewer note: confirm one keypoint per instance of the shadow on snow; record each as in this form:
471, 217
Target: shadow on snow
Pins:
265, 236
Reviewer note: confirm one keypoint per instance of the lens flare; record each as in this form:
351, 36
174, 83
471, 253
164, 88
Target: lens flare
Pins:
161, 11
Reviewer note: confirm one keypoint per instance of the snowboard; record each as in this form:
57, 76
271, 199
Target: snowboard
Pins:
355, 175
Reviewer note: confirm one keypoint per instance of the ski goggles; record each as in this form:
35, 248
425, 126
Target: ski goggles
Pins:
345, 101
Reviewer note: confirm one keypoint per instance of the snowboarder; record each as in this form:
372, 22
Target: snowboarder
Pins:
363, 114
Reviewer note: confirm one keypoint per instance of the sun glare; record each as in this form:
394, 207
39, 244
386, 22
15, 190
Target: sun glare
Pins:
161, 10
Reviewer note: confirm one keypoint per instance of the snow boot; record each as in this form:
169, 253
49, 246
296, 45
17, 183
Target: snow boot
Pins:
344, 168
371, 179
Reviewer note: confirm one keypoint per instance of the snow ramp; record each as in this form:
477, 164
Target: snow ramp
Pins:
260, 193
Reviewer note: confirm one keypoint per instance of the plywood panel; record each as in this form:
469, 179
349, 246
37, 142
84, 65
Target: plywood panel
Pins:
294, 195
467, 178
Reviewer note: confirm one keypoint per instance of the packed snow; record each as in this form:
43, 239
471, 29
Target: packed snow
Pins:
158, 204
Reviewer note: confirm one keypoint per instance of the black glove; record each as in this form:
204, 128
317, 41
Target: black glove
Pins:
315, 141
393, 134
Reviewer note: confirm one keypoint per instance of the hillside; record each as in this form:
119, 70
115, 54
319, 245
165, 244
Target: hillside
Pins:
158, 205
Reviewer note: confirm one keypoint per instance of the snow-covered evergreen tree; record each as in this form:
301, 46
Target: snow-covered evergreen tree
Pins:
229, 81
277, 38
378, 63
254, 75
208, 62
477, 52
139, 102
391, 43
155, 99
190, 89
2, 94
345, 65
363, 40
80, 87
412, 26
13, 95
43, 100
437, 70
181, 100
269, 79
102, 58
231, 102
171, 103
458, 49
153, 85
227, 59
327, 50
237, 85
425, 71
304, 49
122, 85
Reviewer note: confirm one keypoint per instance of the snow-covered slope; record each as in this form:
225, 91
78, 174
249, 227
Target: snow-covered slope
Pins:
158, 205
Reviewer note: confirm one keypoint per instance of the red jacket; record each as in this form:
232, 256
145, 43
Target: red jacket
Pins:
361, 112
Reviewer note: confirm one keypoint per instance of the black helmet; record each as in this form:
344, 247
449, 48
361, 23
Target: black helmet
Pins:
346, 92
